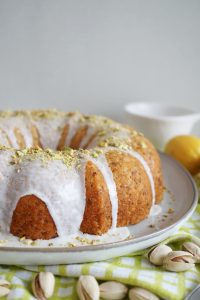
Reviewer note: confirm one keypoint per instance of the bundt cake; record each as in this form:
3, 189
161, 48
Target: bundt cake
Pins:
62, 173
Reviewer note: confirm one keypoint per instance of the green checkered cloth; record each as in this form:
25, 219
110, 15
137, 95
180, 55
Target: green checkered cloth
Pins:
133, 270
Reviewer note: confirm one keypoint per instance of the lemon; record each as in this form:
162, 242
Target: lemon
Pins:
185, 149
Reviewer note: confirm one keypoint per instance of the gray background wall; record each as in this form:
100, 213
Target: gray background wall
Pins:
95, 56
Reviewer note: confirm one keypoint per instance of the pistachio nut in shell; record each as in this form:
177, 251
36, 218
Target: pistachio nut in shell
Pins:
4, 287
113, 290
87, 288
43, 285
193, 249
157, 254
178, 261
138, 293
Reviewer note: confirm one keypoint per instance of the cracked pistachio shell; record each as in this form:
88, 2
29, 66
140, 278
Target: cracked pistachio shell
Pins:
4, 287
137, 293
157, 254
113, 290
87, 288
193, 249
178, 261
43, 285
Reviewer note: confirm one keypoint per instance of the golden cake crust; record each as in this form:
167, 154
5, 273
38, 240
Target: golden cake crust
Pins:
133, 188
97, 217
143, 146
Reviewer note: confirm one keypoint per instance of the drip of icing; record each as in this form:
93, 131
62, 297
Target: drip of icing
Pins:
6, 172
10, 133
25, 130
155, 210
102, 164
3, 139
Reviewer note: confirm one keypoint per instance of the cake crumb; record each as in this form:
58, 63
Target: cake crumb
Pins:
71, 245
170, 210
3, 242
129, 237
151, 226
25, 241
86, 241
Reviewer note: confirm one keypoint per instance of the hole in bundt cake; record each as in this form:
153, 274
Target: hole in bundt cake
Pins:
20, 138
35, 137
62, 140
31, 219
5, 138
77, 138
93, 136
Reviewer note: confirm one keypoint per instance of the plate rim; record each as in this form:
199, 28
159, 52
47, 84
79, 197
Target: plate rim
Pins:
123, 242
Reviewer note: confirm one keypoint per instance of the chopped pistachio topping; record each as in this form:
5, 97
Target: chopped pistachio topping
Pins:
9, 113
28, 242
4, 148
95, 155
98, 121
71, 245
47, 114
95, 152
120, 143
35, 114
105, 137
85, 241
170, 210
3, 242
143, 145
102, 133
67, 156
134, 133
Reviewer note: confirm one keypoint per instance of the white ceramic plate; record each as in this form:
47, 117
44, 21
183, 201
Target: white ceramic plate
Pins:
181, 198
